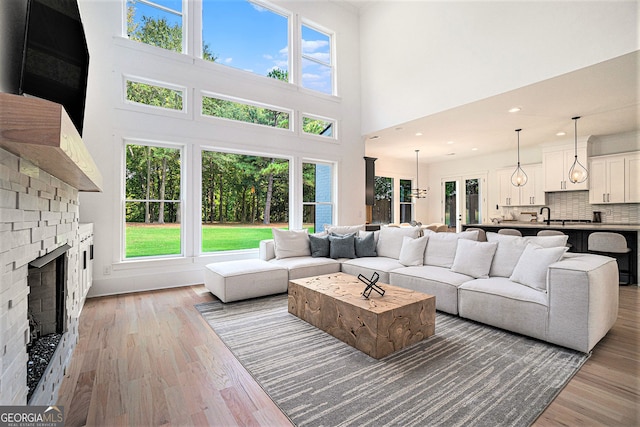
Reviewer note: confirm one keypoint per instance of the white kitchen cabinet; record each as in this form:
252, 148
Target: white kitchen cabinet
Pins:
556, 163
632, 178
530, 194
607, 179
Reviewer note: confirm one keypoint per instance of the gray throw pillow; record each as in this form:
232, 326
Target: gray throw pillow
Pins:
342, 246
319, 246
366, 246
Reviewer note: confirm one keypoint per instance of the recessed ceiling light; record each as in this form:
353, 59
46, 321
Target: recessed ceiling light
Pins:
474, 149
374, 137
561, 134
514, 109
399, 128
451, 154
450, 142
418, 133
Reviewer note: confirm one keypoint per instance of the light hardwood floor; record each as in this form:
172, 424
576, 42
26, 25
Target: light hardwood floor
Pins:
150, 359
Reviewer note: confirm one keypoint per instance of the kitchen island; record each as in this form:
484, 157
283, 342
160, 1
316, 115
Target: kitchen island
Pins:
578, 233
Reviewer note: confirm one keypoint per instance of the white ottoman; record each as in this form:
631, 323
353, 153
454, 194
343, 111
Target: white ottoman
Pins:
243, 279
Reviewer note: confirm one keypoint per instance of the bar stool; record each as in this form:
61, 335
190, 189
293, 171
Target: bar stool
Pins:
611, 244
482, 235
510, 231
553, 233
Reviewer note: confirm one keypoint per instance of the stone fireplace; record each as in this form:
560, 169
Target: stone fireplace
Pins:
43, 165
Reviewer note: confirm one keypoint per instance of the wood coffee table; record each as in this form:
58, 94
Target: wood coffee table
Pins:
377, 326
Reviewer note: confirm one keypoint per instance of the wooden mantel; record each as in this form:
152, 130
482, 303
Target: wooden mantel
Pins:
41, 132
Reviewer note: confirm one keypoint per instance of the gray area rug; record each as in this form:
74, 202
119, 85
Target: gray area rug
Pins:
466, 374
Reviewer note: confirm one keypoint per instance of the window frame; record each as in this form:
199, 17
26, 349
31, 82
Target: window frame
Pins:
333, 187
257, 104
183, 14
151, 82
334, 125
184, 224
332, 56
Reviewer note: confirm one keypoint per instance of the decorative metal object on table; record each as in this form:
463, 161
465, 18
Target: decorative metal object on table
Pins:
371, 285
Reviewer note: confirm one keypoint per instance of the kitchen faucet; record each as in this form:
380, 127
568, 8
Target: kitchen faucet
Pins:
548, 221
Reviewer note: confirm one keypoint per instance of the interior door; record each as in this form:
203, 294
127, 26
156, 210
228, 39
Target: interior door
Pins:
463, 200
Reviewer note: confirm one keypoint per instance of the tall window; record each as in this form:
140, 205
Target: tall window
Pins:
152, 201
317, 194
243, 197
317, 66
246, 35
406, 205
382, 212
157, 22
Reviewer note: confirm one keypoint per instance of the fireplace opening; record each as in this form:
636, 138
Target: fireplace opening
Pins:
47, 278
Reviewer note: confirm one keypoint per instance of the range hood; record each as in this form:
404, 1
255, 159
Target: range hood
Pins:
41, 132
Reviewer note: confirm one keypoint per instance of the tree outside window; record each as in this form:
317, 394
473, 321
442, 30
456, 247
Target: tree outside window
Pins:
157, 23
243, 198
382, 212
152, 201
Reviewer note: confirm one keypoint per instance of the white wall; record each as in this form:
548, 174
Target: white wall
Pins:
422, 57
108, 120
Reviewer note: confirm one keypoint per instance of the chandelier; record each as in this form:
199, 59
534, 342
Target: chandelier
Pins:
418, 193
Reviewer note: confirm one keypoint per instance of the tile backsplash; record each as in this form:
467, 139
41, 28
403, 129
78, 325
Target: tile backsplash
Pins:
575, 205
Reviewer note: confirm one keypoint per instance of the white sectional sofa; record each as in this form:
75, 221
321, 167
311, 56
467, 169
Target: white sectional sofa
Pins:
527, 285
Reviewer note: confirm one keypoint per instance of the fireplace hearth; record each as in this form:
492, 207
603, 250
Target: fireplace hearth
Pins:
47, 279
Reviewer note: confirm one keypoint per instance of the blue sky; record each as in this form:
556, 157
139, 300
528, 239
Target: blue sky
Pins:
249, 37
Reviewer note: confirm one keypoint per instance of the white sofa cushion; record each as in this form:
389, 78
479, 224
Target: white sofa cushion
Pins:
343, 229
390, 240
474, 258
291, 243
307, 266
511, 247
412, 251
368, 265
533, 265
441, 248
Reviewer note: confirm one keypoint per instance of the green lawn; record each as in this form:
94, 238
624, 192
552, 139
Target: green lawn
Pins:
152, 240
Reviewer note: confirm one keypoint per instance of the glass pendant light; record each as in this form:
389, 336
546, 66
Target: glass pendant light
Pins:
519, 178
578, 173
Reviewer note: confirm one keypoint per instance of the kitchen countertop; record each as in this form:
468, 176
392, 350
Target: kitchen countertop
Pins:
559, 226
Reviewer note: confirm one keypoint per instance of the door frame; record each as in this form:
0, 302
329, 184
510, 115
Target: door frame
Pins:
461, 201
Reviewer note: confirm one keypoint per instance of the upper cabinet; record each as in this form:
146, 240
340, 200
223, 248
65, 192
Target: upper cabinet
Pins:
557, 161
632, 177
606, 179
614, 178
530, 194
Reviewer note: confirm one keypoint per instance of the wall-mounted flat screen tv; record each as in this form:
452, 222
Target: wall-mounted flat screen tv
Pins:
56, 59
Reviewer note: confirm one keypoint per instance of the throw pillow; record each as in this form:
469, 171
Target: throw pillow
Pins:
390, 240
342, 246
366, 245
412, 251
291, 243
474, 258
441, 249
511, 247
507, 254
319, 245
533, 264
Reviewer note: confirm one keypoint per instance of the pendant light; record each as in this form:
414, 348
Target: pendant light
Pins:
578, 173
418, 193
519, 178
